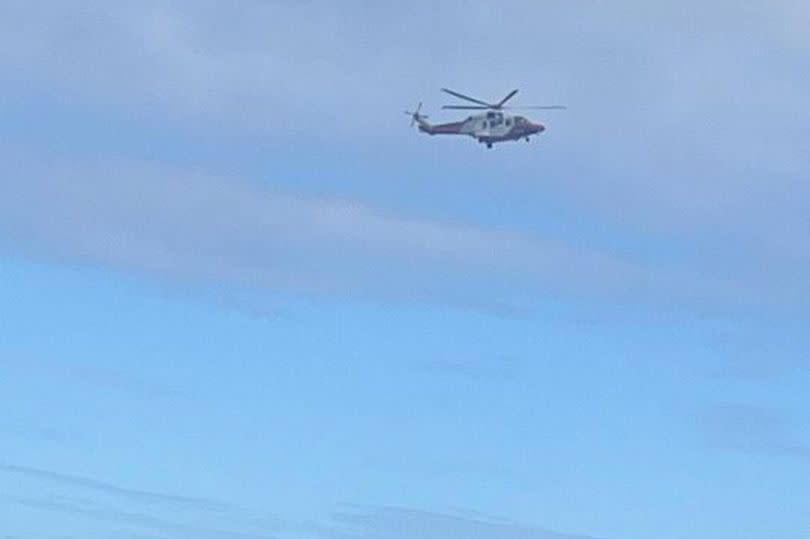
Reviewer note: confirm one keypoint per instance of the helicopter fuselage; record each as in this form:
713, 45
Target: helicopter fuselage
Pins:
488, 128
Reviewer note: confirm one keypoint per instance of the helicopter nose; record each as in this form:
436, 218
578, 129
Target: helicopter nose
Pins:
538, 128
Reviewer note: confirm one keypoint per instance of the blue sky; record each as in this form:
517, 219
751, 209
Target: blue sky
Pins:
239, 298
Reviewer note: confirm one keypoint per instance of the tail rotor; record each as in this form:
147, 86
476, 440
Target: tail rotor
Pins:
416, 117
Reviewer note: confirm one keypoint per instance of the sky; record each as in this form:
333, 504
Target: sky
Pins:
241, 299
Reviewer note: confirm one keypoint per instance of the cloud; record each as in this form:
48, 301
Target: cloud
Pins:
128, 494
209, 60
123, 518
402, 523
197, 228
670, 138
356, 522
113, 510
753, 429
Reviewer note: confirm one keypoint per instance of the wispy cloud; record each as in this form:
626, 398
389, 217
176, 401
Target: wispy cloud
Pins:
118, 510
130, 494
753, 429
198, 228
121, 518
402, 523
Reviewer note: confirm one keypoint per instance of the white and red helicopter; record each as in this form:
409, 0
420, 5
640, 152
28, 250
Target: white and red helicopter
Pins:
490, 127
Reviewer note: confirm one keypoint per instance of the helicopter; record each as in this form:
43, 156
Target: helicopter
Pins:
489, 127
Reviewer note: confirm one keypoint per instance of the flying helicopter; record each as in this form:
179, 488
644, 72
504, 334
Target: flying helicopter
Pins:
489, 127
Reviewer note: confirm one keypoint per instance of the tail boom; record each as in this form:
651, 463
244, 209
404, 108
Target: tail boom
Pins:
453, 128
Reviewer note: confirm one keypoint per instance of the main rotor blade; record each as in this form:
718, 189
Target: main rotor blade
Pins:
505, 99
466, 98
538, 107
466, 107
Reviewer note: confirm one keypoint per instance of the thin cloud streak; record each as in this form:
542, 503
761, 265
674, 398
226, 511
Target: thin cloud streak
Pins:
127, 518
142, 496
382, 522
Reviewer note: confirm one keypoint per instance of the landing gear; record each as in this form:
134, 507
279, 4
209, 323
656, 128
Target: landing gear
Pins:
489, 145
527, 139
